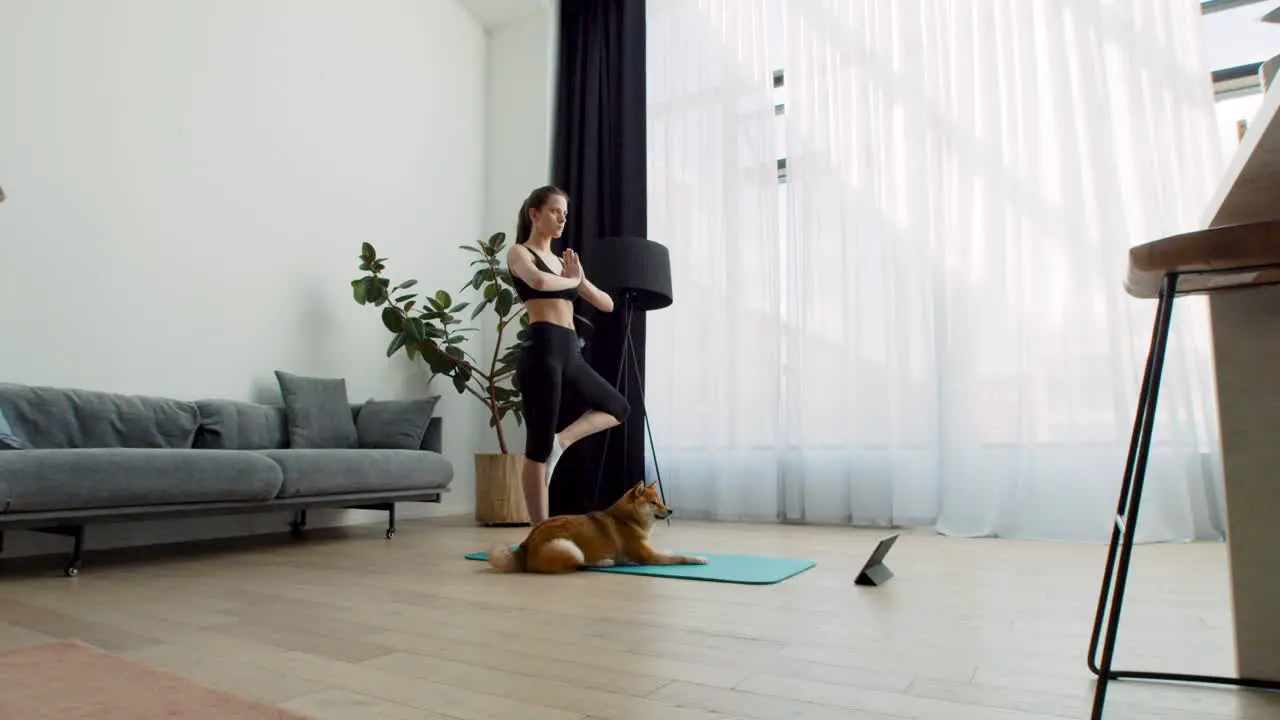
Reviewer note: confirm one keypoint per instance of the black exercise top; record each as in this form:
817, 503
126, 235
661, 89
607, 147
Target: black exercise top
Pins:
527, 293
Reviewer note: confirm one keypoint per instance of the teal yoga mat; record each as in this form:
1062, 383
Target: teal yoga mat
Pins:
741, 569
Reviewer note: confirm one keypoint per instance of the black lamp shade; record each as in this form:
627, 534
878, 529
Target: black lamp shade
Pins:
633, 266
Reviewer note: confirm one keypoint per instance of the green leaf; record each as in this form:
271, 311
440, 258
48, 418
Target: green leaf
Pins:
460, 383
472, 248
392, 319
490, 292
459, 307
479, 309
403, 298
409, 305
414, 329
439, 362
406, 284
357, 291
505, 300
397, 342
367, 253
375, 289
443, 298
455, 340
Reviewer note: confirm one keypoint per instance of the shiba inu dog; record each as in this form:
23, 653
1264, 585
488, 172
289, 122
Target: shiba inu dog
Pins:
618, 535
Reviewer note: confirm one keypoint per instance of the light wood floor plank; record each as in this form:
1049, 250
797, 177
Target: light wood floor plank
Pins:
531, 687
341, 704
253, 681
346, 624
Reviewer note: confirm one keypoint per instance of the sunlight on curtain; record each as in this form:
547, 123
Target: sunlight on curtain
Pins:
925, 323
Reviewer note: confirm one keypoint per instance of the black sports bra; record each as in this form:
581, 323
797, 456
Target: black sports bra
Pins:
528, 293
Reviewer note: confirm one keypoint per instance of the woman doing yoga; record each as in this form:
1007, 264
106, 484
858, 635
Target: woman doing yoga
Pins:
550, 362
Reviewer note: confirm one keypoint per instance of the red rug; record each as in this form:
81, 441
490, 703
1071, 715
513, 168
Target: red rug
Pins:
71, 681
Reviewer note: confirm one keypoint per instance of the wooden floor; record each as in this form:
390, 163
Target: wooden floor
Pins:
350, 625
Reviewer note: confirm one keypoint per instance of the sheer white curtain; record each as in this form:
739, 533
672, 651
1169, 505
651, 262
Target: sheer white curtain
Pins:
925, 323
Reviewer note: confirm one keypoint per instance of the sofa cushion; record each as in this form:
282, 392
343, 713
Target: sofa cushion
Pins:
53, 418
239, 425
335, 472
8, 439
317, 412
395, 424
36, 480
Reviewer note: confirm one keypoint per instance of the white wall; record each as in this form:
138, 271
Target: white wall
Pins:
520, 92
189, 183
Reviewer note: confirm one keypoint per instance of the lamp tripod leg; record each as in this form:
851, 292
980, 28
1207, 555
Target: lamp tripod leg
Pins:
629, 353
617, 383
644, 411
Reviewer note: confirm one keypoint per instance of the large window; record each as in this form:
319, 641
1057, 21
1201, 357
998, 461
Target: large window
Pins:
1239, 35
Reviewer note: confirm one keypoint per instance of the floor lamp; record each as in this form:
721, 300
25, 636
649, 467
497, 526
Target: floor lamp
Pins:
637, 273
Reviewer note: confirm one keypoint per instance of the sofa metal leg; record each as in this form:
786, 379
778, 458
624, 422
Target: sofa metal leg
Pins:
390, 507
76, 532
299, 522
77, 553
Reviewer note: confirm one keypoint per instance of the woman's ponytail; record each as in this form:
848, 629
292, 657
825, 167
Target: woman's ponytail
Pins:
538, 198
524, 224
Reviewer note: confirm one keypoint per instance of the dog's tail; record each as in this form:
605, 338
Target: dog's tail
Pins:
507, 560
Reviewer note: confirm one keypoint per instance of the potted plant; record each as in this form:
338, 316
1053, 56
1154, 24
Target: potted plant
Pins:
429, 328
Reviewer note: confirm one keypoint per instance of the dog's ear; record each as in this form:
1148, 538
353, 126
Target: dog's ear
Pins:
655, 482
638, 490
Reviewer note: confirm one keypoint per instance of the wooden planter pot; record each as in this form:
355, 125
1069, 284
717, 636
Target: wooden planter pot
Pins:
499, 496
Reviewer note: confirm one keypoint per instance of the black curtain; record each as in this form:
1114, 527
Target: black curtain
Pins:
599, 160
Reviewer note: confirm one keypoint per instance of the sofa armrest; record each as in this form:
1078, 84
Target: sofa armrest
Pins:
433, 440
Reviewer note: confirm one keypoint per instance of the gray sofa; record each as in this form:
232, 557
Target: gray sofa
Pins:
71, 457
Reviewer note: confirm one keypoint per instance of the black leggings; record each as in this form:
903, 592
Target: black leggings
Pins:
550, 363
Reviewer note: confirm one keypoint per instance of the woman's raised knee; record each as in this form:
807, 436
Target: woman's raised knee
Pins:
621, 410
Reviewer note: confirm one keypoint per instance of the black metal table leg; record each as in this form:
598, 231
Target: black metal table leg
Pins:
1126, 524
